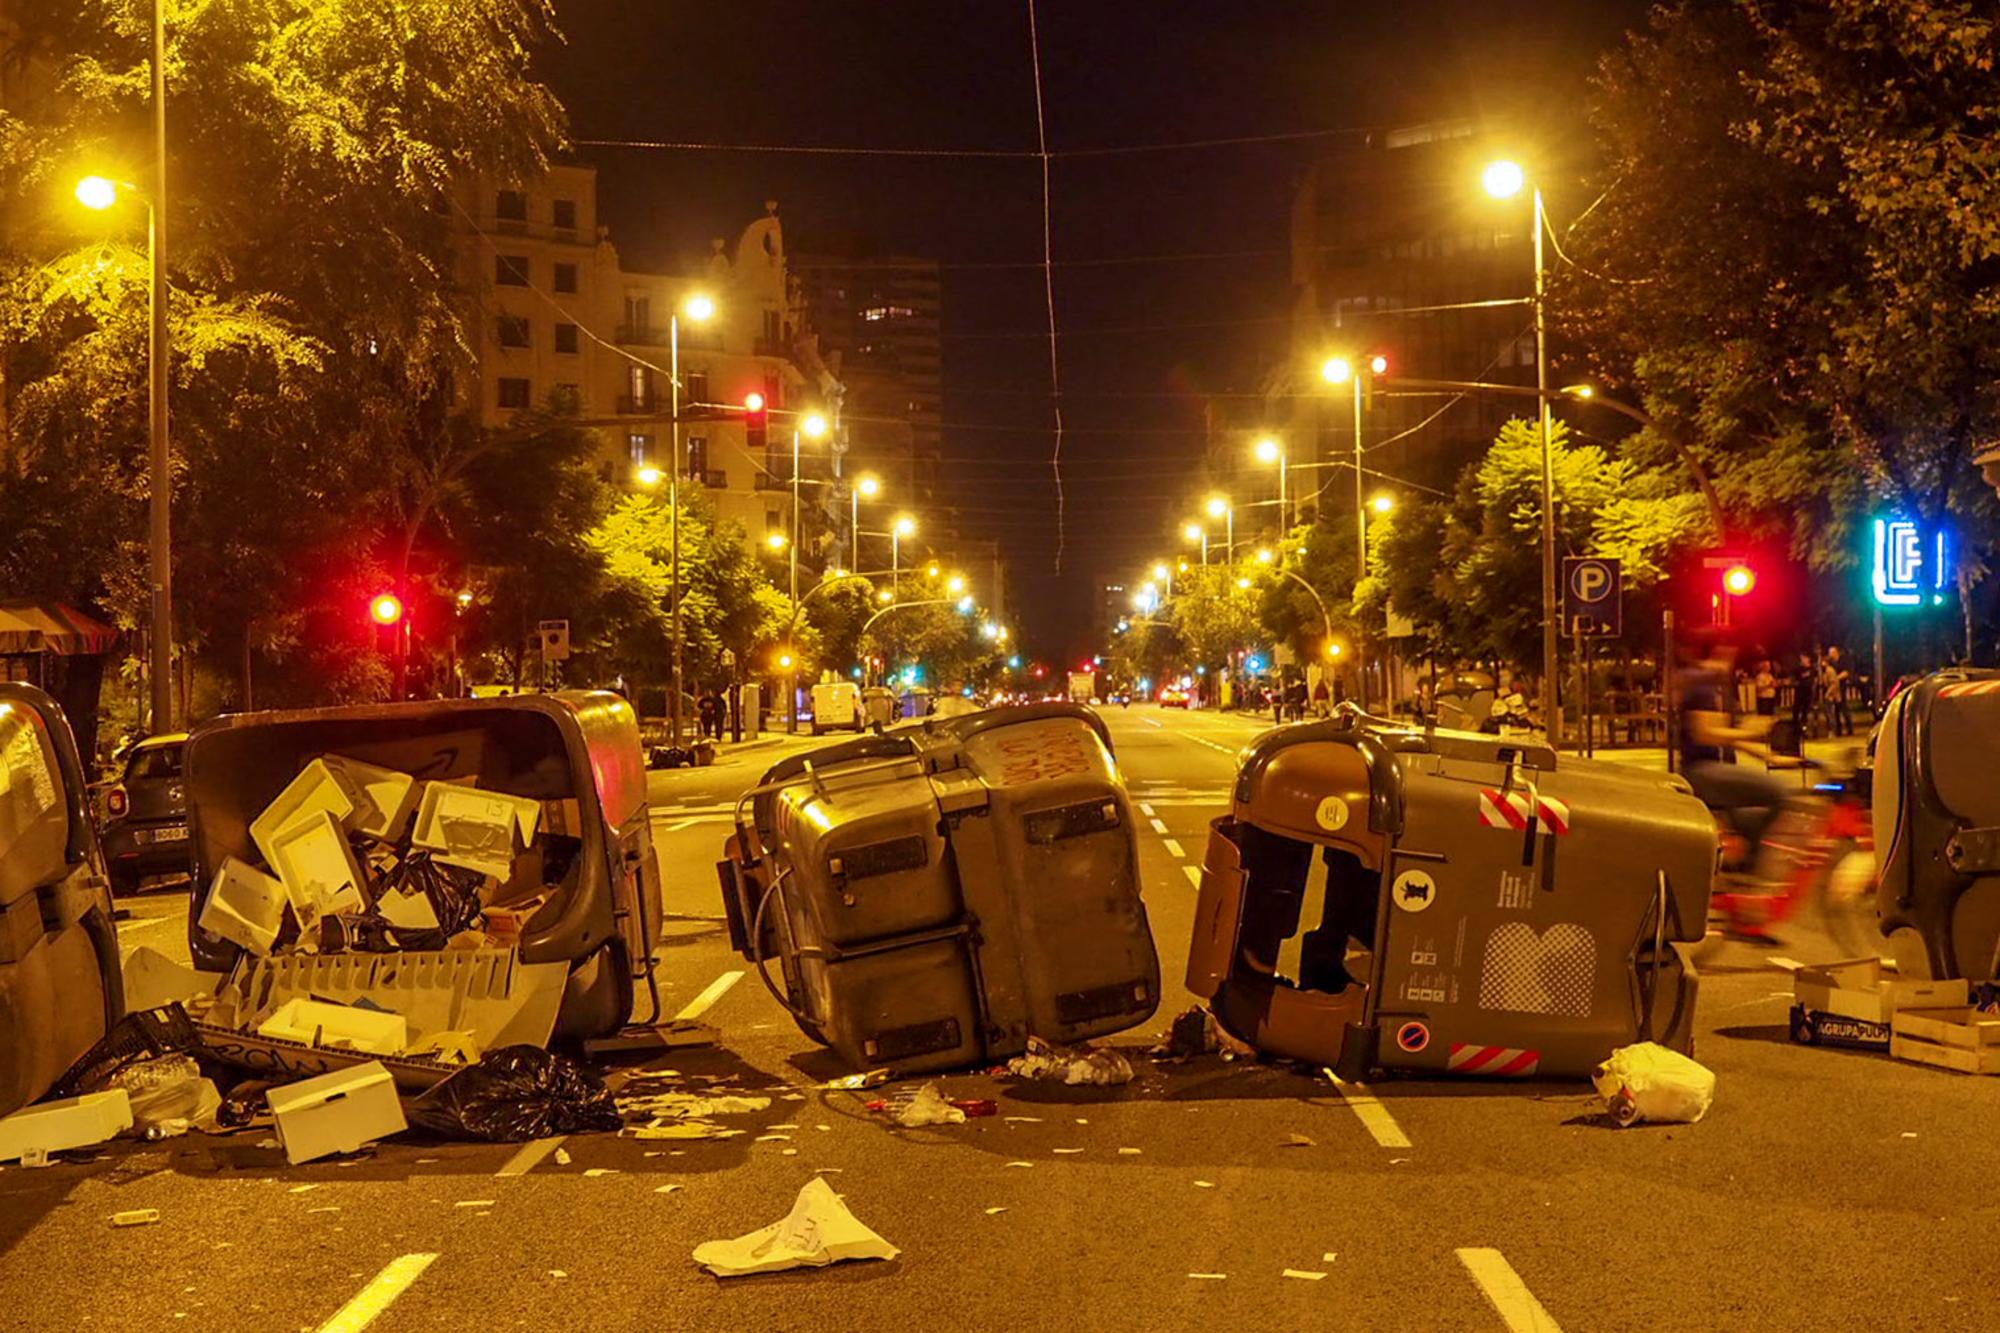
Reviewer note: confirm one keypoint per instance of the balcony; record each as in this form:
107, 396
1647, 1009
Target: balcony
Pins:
642, 335
777, 347
637, 404
715, 481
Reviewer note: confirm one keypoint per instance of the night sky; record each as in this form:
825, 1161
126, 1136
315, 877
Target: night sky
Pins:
1146, 338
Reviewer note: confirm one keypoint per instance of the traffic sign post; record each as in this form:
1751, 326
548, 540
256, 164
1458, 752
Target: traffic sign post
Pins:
1593, 596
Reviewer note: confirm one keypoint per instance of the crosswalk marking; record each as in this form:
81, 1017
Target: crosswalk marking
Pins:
394, 1279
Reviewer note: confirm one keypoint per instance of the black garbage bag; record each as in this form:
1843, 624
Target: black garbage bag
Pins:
517, 1093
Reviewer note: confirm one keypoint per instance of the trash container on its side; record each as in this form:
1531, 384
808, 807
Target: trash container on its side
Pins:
936, 895
1478, 906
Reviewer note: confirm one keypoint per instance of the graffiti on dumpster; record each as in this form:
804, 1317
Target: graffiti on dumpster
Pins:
1547, 973
1043, 754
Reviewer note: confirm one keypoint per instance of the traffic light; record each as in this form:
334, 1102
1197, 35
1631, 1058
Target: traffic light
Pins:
1739, 580
386, 609
1378, 373
756, 422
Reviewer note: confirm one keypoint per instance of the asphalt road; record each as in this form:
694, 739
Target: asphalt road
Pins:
1825, 1189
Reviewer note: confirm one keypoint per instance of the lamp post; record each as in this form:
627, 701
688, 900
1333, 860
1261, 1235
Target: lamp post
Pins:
904, 526
812, 426
697, 308
1219, 507
1269, 450
1195, 532
871, 486
1164, 573
1504, 180
97, 192
1339, 370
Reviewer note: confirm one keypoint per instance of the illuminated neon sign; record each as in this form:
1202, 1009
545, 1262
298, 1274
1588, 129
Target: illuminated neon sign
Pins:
1900, 571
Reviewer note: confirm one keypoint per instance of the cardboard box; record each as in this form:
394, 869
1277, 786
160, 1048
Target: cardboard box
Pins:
479, 830
1811, 1027
317, 1023
384, 799
77, 1122
314, 859
315, 790
245, 906
337, 1112
1860, 988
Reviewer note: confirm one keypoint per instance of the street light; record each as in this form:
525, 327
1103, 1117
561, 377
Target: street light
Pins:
699, 308
1383, 504
99, 193
1195, 532
866, 485
1505, 180
956, 583
647, 475
904, 526
1270, 451
1340, 370
1219, 507
776, 541
1164, 573
812, 425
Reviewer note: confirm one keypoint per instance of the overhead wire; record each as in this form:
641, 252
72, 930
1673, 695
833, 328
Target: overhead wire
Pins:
1049, 285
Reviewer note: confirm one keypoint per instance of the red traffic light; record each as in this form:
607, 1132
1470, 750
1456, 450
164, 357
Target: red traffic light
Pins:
753, 402
1378, 364
1738, 580
387, 608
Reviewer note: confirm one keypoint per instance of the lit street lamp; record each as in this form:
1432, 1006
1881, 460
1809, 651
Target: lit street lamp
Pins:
1270, 451
1340, 370
100, 193
1195, 532
812, 426
1219, 507
904, 526
1504, 180
866, 485
698, 308
1164, 573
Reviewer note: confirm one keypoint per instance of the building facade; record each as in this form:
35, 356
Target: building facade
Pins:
561, 322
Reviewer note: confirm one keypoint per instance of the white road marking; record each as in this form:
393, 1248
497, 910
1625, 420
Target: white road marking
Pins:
717, 988
1159, 826
1174, 849
1145, 810
394, 1279
1516, 1305
1374, 1116
138, 922
530, 1156
1193, 873
680, 824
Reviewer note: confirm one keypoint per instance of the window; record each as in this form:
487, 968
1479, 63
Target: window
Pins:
566, 339
774, 326
566, 277
565, 214
774, 391
697, 386
566, 398
514, 392
511, 206
510, 270
640, 444
513, 330
697, 460
639, 381
638, 315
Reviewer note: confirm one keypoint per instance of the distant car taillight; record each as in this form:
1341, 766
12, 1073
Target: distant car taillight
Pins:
116, 802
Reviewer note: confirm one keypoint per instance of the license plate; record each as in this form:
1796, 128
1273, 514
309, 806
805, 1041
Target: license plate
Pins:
170, 833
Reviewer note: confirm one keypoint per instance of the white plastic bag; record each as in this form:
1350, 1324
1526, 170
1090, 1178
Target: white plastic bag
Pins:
1650, 1082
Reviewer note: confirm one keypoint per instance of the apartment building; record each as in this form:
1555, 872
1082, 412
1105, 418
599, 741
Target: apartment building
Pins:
562, 321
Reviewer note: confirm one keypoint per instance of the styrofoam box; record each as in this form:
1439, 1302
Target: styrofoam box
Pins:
337, 1112
245, 906
313, 858
316, 788
384, 799
58, 1126
317, 1023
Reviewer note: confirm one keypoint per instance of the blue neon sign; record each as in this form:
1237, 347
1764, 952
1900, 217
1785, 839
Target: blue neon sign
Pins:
1900, 570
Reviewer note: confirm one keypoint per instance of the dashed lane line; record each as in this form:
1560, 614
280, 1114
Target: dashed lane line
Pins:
1174, 849
1516, 1305
1193, 873
530, 1156
368, 1303
701, 1003
1374, 1116
1159, 826
1145, 810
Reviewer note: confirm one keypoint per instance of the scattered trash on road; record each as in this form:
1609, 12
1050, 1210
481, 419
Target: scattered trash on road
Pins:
135, 1217
1298, 1141
1303, 1275
1071, 1065
1646, 1081
338, 1112
562, 1156
1208, 1277
928, 1107
991, 1211
818, 1231
873, 1078
34, 1132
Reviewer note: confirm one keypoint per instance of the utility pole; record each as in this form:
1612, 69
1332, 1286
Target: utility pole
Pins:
159, 554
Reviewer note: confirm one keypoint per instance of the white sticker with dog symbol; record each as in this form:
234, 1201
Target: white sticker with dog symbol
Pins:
1413, 890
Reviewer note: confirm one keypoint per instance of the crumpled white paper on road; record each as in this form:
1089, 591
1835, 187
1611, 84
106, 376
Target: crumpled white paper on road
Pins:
818, 1231
1654, 1083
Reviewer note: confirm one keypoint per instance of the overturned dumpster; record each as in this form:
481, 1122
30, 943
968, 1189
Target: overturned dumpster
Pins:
1384, 896
937, 894
420, 882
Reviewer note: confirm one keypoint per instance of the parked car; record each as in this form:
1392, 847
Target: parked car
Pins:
145, 831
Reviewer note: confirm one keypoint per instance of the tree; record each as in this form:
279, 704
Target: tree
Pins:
1214, 614
1794, 257
315, 153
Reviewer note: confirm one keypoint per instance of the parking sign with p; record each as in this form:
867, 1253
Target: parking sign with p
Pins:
1593, 596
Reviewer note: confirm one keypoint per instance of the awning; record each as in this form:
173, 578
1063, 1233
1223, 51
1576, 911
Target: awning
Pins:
51, 627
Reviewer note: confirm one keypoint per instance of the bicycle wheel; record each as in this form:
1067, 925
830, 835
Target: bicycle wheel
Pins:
1845, 897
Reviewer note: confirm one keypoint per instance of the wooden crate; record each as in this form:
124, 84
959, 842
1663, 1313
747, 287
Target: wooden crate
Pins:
1960, 1037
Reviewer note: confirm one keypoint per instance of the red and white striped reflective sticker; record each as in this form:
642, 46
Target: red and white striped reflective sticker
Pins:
1511, 809
1492, 1061
1965, 687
